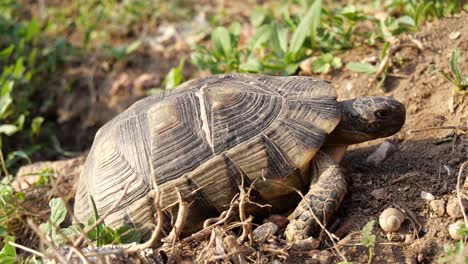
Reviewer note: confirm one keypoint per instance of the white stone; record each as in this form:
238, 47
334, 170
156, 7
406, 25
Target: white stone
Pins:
427, 196
380, 154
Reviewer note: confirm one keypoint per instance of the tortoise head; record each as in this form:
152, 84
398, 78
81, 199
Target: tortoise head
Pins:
367, 118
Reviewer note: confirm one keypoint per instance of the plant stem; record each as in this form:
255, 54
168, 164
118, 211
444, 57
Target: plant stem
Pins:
371, 254
5, 170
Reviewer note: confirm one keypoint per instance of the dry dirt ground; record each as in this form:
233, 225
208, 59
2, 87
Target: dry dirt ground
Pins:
426, 161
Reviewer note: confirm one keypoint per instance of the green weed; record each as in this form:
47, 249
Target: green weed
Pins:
459, 83
284, 39
325, 63
8, 252
24, 60
269, 50
368, 239
101, 234
173, 78
225, 55
420, 10
123, 51
9, 200
362, 67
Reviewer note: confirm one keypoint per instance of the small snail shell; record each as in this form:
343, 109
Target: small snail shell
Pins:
454, 229
391, 219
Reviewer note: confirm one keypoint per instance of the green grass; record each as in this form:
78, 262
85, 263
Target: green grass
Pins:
289, 33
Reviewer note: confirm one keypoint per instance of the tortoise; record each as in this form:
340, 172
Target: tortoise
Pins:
204, 139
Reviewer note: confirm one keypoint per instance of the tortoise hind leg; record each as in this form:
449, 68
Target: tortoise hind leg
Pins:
322, 200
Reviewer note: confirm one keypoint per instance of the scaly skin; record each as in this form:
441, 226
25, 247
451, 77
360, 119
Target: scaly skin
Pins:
322, 200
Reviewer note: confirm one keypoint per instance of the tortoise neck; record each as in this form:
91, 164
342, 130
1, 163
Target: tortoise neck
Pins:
346, 132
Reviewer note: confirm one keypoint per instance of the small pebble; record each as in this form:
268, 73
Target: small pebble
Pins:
454, 230
306, 65
438, 206
264, 230
427, 196
380, 154
395, 237
453, 208
454, 35
379, 194
409, 239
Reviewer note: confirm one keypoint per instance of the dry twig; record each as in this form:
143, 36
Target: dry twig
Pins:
30, 250
178, 225
180, 220
4, 167
402, 178
246, 226
223, 217
79, 254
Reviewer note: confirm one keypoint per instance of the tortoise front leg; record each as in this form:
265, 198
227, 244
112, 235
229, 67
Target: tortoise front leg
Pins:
322, 200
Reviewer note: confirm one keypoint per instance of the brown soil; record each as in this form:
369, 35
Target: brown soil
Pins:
428, 160
422, 156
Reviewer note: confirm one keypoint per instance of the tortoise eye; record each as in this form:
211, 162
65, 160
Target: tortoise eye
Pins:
383, 114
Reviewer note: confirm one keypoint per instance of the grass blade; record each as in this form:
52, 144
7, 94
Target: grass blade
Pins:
221, 41
453, 65
307, 27
361, 67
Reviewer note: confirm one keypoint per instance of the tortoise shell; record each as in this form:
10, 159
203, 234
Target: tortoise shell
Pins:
205, 138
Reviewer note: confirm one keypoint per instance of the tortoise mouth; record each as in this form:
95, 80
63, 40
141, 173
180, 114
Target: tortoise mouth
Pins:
368, 118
